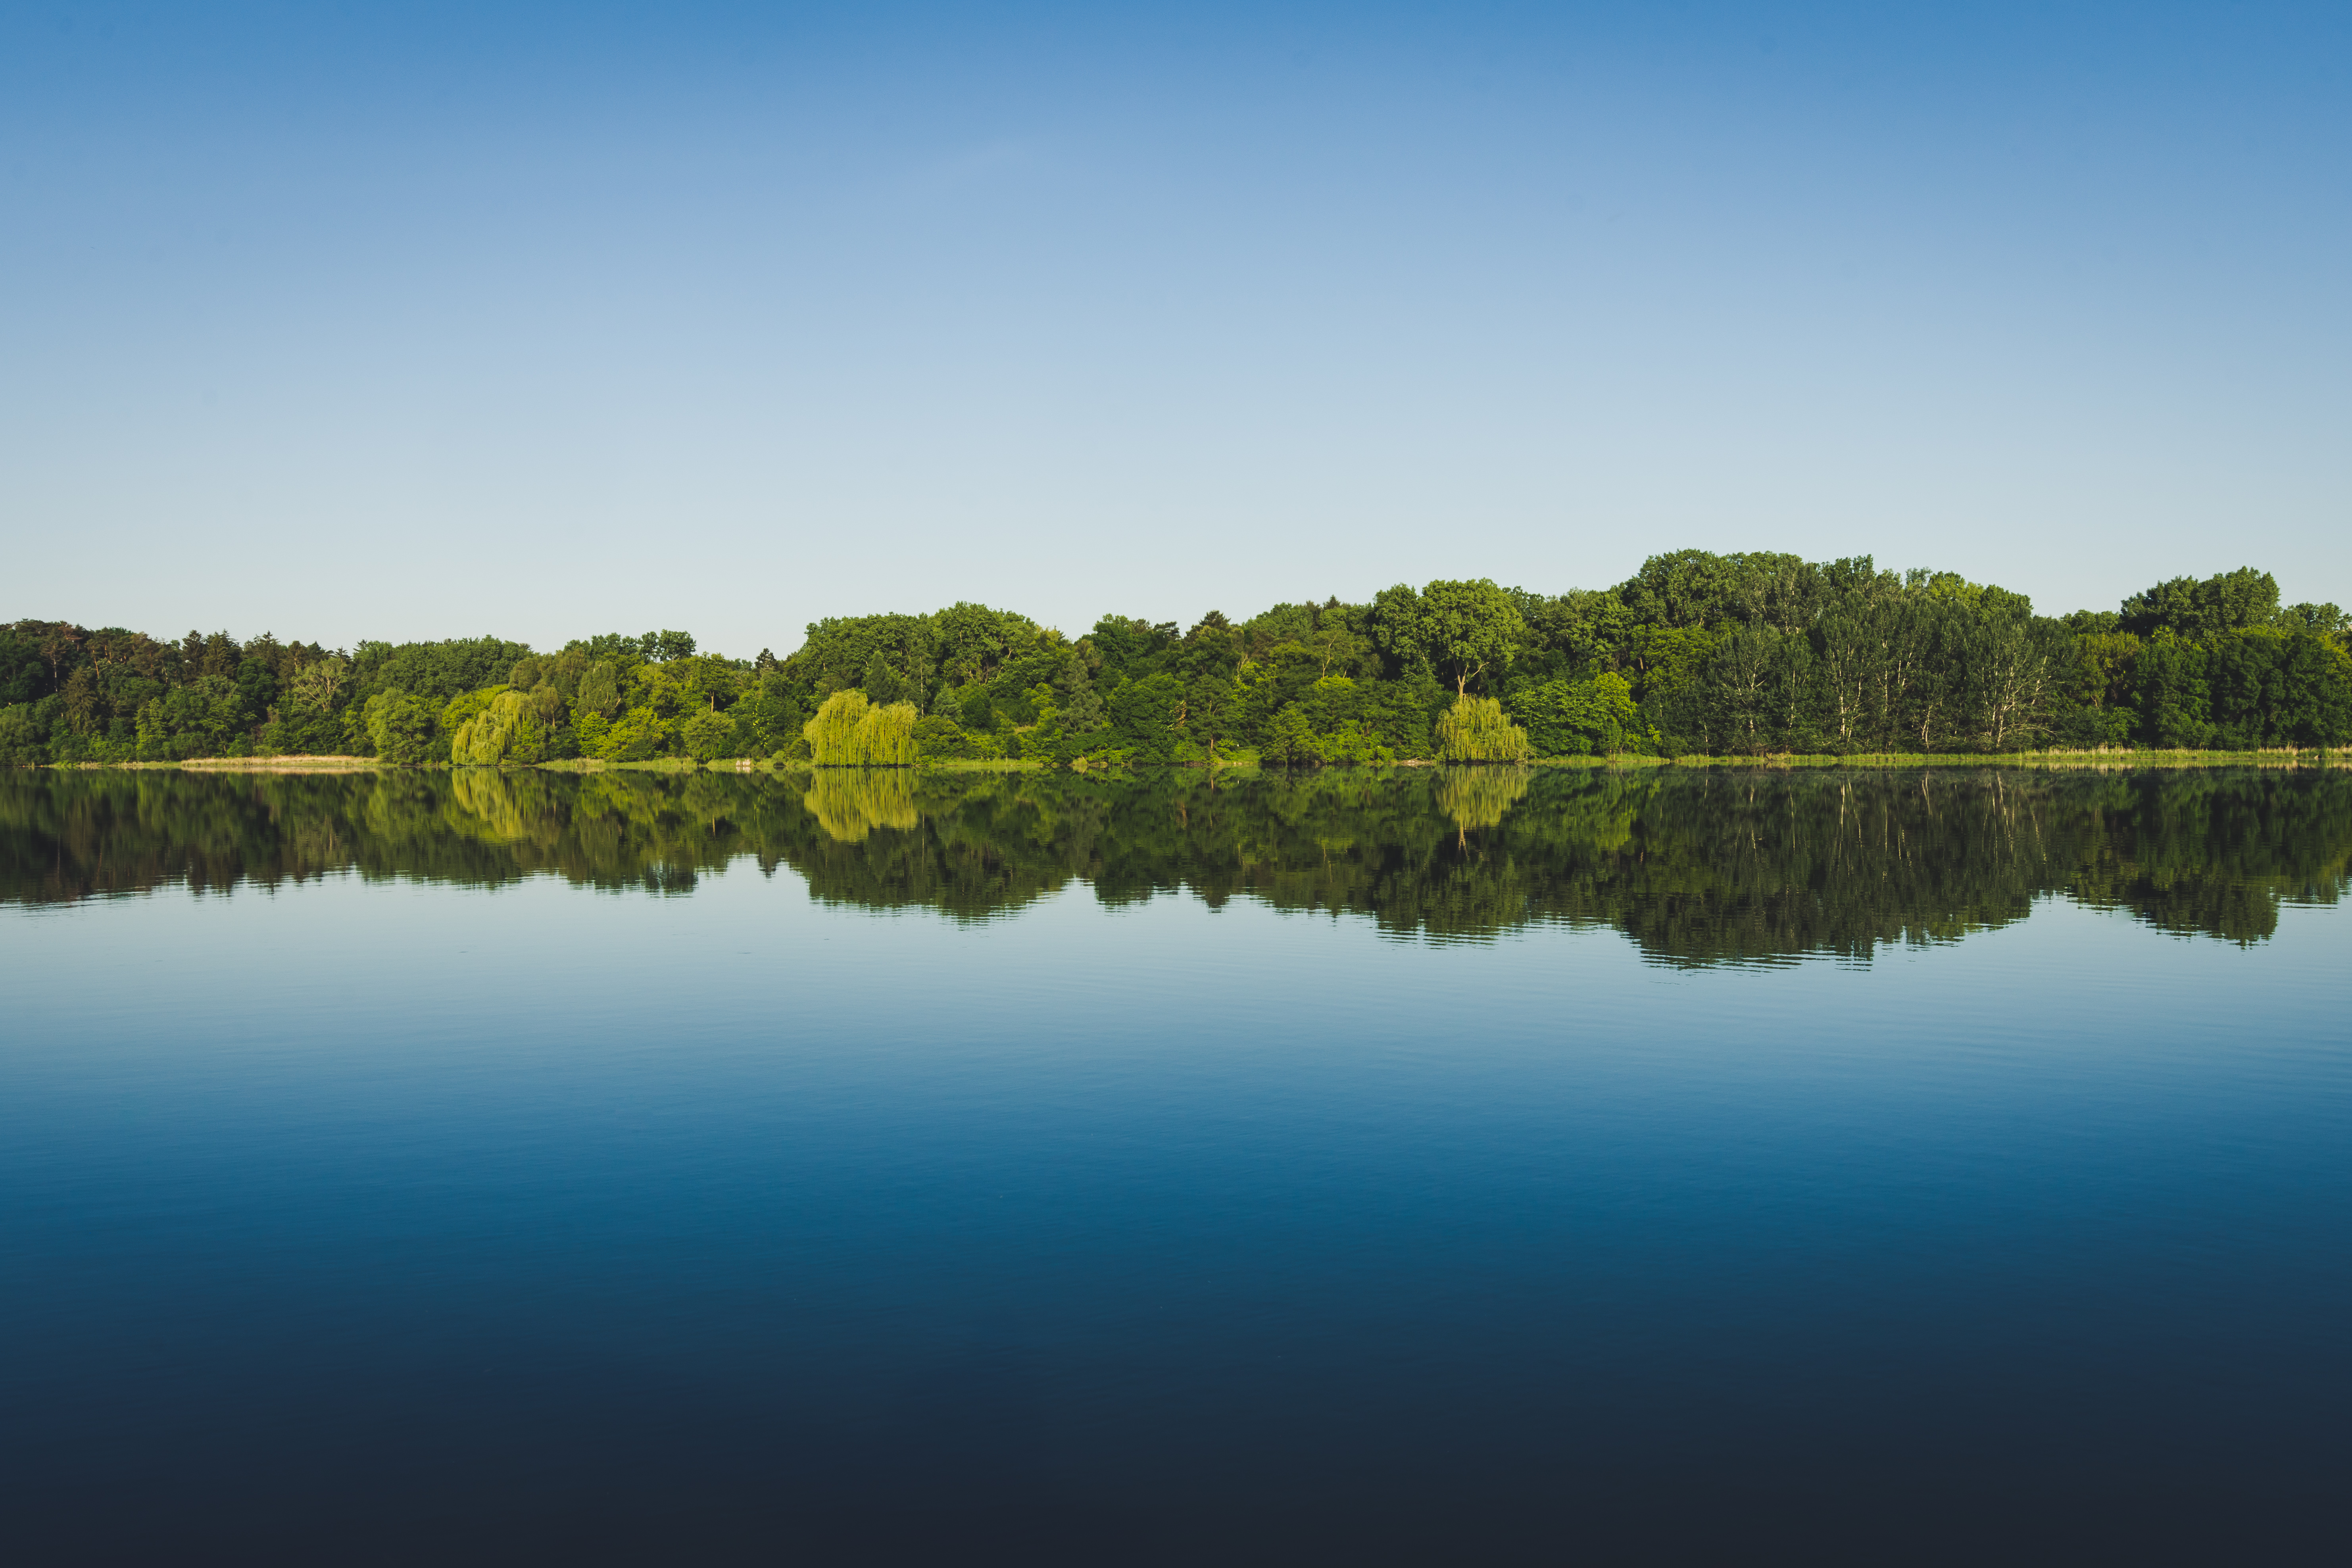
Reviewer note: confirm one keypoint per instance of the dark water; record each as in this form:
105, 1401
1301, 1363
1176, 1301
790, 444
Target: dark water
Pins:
1926, 1167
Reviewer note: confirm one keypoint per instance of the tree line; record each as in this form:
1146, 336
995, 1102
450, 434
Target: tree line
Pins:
1698, 653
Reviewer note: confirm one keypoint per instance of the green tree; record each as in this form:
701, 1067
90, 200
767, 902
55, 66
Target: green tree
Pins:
638, 735
1082, 707
2174, 708
831, 733
1290, 738
401, 727
707, 736
484, 740
881, 683
1691, 589
600, 689
1145, 715
2225, 602
1209, 712
884, 736
1476, 731
1463, 630
937, 735
315, 686
1577, 718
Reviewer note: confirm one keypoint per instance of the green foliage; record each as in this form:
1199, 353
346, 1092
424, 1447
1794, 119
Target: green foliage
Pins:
937, 735
1290, 738
23, 738
1463, 630
434, 671
831, 733
1147, 715
884, 736
2277, 686
484, 738
600, 689
964, 645
402, 728
850, 731
1684, 590
461, 709
636, 736
1210, 713
2226, 602
314, 687
709, 736
1577, 718
1476, 731
1353, 745
2174, 702
1131, 649
1748, 654
880, 682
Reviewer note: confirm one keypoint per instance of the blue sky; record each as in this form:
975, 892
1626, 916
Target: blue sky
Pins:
350, 320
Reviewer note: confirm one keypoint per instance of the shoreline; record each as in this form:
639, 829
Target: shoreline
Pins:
2097, 761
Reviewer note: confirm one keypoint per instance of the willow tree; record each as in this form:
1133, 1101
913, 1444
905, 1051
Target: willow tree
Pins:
884, 736
832, 734
485, 739
1474, 731
849, 731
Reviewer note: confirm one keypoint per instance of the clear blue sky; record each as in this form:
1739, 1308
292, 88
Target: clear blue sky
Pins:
420, 320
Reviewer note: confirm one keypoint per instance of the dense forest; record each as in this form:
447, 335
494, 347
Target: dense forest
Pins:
1696, 654
1697, 866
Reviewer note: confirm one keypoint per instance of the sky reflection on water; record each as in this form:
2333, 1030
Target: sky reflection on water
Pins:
486, 1219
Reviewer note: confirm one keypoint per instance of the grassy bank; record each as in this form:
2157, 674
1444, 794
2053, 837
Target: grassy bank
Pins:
287, 764
2102, 759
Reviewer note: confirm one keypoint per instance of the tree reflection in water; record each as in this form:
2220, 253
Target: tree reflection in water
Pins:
1698, 867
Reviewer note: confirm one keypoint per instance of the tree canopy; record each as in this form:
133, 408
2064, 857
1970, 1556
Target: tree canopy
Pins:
1695, 653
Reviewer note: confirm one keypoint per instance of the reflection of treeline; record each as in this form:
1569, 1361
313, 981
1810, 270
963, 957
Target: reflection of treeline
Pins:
74, 834
1697, 653
1697, 866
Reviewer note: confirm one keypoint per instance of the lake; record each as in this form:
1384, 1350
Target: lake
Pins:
1416, 1165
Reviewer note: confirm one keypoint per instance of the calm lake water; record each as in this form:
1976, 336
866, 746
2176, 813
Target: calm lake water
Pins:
1949, 1166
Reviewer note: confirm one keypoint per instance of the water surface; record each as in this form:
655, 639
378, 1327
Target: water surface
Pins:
1499, 1167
